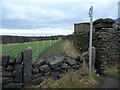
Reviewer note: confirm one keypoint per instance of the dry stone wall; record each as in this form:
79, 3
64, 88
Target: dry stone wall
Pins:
106, 40
53, 67
16, 72
20, 72
106, 43
11, 72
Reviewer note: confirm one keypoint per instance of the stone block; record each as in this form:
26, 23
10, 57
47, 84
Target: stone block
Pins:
39, 63
35, 76
57, 68
12, 61
18, 76
13, 85
5, 59
55, 63
18, 67
15, 73
59, 57
63, 70
65, 66
44, 68
47, 74
18, 79
35, 70
55, 75
71, 62
38, 80
7, 80
10, 68
6, 74
47, 61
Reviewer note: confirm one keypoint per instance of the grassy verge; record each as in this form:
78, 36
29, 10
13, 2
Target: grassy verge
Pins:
56, 48
75, 79
63, 46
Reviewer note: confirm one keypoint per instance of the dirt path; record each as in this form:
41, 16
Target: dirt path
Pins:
109, 82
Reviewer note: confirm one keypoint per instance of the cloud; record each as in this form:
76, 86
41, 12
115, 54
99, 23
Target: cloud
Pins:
62, 14
60, 1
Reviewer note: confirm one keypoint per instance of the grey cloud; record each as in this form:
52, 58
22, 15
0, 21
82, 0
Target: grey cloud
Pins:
38, 15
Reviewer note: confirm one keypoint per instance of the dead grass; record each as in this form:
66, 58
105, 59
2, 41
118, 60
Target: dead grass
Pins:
70, 50
112, 70
76, 79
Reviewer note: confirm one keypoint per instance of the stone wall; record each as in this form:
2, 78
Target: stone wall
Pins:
81, 27
106, 40
16, 71
20, 72
106, 43
54, 67
81, 36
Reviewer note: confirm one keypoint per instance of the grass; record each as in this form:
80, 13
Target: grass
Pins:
112, 70
75, 79
56, 48
37, 47
63, 46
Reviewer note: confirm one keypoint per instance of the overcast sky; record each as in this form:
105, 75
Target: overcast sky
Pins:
51, 17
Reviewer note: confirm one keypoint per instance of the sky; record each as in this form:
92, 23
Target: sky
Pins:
50, 17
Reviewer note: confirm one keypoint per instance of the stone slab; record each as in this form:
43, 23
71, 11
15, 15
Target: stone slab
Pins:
37, 81
36, 76
55, 63
44, 68
39, 63
5, 59
12, 61
7, 80
13, 85
6, 74
71, 62
10, 68
35, 70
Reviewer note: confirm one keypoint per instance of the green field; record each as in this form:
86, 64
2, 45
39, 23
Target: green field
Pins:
37, 47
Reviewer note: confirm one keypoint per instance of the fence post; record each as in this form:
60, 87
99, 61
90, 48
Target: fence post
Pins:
50, 42
43, 44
